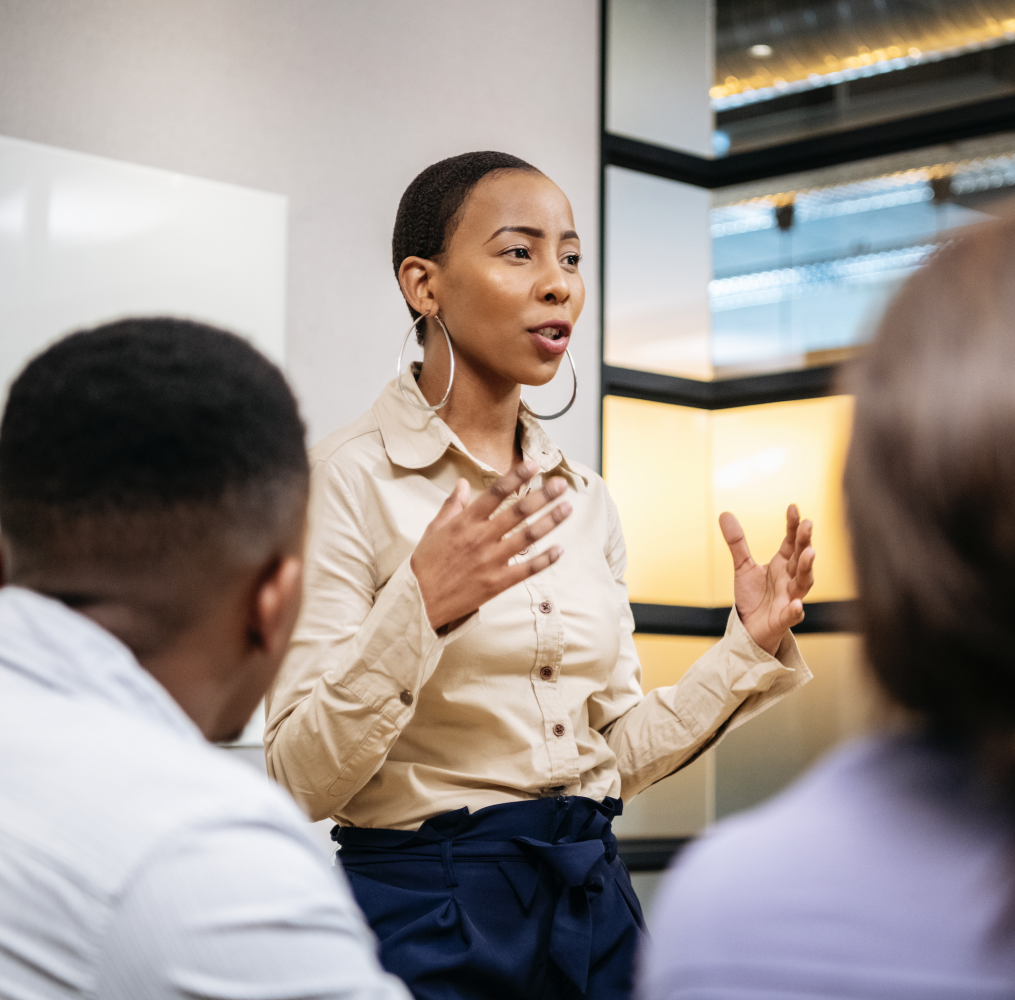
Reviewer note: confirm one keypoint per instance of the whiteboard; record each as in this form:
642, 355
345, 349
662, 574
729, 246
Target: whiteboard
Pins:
84, 239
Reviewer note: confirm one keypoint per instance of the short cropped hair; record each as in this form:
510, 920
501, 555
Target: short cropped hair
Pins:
135, 440
430, 208
930, 486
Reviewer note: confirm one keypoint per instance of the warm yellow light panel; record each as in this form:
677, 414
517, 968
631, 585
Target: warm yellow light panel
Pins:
666, 658
766, 457
673, 469
655, 462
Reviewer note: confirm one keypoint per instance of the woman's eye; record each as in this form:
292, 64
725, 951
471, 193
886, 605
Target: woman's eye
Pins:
572, 259
519, 253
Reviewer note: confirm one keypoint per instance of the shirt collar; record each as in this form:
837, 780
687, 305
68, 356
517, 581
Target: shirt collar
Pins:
415, 439
44, 640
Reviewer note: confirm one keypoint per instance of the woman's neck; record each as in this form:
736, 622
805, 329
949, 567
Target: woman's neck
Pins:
482, 409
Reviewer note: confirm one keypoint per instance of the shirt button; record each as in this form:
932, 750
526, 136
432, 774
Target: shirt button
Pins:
558, 730
546, 673
405, 697
546, 607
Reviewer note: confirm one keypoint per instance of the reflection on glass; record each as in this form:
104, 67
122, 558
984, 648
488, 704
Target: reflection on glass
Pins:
786, 70
803, 269
672, 470
659, 68
657, 269
798, 268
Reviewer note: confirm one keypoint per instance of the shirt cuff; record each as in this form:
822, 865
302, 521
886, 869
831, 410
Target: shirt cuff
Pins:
762, 679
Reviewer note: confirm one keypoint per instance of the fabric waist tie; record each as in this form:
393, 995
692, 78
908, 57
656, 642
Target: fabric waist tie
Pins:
567, 834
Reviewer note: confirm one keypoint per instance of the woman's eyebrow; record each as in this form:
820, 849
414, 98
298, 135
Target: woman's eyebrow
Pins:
538, 234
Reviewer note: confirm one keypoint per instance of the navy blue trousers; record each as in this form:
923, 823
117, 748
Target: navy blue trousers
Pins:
520, 901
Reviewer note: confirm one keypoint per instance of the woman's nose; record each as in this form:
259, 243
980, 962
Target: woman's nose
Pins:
554, 286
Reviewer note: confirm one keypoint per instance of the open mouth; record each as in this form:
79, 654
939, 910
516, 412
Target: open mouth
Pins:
554, 331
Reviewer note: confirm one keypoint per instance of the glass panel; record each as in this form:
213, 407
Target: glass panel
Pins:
786, 71
763, 756
666, 658
764, 458
804, 265
659, 70
657, 271
671, 470
655, 461
786, 273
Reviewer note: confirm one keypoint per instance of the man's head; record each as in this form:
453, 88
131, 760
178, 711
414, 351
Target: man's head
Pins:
153, 476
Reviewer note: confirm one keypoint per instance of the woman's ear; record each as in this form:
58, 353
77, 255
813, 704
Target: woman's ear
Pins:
417, 278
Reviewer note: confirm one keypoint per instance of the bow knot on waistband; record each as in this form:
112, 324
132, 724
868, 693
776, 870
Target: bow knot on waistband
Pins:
574, 862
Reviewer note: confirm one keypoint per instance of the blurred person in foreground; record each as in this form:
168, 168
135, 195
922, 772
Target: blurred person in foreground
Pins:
153, 488
889, 870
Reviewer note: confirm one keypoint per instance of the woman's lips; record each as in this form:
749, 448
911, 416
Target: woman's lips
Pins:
552, 338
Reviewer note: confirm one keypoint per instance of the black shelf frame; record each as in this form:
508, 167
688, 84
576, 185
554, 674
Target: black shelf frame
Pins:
967, 121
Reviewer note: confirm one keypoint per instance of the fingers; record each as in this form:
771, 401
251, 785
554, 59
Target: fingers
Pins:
530, 504
530, 567
456, 502
802, 581
788, 546
486, 503
734, 536
792, 614
800, 542
518, 541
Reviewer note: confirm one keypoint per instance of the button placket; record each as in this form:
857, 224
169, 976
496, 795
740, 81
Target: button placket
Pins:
561, 746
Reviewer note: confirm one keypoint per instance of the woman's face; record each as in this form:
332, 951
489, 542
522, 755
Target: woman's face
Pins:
508, 289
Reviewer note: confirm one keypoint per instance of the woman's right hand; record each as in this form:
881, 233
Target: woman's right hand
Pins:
462, 560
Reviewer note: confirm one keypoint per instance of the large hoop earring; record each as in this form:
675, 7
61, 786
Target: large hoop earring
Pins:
405, 392
574, 393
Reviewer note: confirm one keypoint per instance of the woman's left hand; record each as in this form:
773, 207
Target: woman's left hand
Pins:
769, 598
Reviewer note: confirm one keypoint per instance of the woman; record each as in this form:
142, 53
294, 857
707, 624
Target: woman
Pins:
462, 694
888, 870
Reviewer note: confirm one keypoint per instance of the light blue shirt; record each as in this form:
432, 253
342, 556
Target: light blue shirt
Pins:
886, 872
136, 859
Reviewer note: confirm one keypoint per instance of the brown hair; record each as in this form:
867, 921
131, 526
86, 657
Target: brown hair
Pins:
930, 487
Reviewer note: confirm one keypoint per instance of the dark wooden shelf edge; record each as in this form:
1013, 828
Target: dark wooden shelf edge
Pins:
676, 619
750, 390
899, 135
650, 855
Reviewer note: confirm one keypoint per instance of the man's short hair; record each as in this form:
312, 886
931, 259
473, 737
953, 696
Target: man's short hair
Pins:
138, 440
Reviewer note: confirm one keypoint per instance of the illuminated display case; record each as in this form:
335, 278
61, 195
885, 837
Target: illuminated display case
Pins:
753, 231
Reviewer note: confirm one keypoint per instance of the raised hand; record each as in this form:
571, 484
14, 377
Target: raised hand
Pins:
769, 598
462, 560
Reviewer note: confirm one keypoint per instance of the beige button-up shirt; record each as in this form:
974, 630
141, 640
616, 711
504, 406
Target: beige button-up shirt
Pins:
377, 721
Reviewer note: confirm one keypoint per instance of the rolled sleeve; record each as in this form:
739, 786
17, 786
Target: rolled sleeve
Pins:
656, 734
730, 684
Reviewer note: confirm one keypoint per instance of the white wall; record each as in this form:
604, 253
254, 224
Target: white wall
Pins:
336, 104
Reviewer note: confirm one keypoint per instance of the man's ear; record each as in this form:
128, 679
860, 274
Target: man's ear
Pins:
416, 276
276, 606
